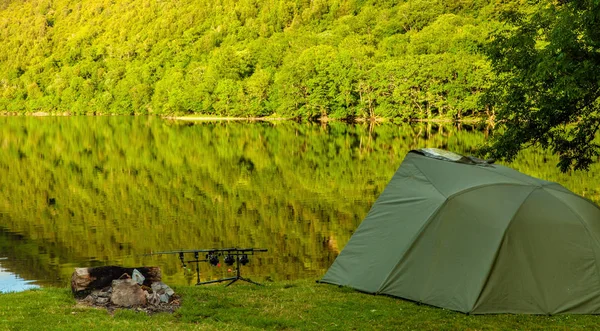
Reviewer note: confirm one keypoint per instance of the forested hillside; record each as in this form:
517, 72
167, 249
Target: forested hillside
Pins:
290, 58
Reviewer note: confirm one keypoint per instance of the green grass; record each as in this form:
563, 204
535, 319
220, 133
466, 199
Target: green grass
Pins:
280, 306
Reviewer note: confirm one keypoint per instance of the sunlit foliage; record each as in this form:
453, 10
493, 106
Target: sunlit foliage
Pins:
547, 89
339, 59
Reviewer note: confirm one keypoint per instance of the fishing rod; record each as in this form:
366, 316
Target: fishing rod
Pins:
239, 256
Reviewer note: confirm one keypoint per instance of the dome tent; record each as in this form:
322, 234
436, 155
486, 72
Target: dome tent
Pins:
460, 233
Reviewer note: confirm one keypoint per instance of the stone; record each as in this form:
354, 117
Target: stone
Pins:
104, 294
127, 293
102, 301
163, 290
125, 276
164, 298
90, 299
153, 299
80, 279
138, 277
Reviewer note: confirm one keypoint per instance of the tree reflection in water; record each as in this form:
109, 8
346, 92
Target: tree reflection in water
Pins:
80, 191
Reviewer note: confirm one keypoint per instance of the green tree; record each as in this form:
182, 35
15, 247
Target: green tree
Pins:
297, 58
547, 91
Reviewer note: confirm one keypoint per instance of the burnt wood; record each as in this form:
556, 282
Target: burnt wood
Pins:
84, 280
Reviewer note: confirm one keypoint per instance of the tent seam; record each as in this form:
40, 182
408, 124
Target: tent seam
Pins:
484, 185
514, 178
487, 168
429, 180
549, 187
496, 255
412, 244
418, 235
521, 183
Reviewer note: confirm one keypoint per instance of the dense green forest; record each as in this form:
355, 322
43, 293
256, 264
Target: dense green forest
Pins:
106, 190
286, 58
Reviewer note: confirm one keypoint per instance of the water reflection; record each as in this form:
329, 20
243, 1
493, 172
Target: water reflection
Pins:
87, 191
11, 282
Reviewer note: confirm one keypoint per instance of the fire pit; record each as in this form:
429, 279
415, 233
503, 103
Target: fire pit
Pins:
139, 289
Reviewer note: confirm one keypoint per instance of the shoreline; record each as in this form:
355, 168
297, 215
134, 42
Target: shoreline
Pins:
206, 118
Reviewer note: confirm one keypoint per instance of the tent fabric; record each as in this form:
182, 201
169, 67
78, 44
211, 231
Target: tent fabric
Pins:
478, 238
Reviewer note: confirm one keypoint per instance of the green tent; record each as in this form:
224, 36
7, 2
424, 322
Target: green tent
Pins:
464, 234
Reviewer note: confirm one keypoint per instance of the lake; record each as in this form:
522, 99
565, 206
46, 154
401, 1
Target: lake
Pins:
92, 191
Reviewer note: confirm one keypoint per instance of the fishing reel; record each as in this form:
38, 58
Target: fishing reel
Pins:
229, 259
213, 259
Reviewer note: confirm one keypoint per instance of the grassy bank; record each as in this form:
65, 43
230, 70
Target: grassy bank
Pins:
295, 305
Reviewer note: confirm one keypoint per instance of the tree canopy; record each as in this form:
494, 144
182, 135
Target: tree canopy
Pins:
339, 59
546, 93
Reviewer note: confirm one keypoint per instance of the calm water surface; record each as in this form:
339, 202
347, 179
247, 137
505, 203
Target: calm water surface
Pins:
11, 282
91, 191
